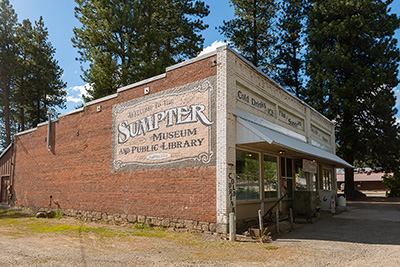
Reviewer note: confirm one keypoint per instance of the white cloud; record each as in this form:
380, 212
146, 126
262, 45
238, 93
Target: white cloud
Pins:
397, 95
75, 93
81, 89
74, 99
212, 47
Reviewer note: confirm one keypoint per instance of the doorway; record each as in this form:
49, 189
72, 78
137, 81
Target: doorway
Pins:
5, 181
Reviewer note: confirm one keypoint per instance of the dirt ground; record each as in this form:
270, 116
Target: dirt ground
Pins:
364, 234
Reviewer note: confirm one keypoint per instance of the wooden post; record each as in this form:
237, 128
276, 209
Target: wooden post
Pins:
277, 221
260, 221
291, 218
232, 227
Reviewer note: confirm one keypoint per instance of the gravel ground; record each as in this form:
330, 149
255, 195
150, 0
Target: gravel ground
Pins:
365, 234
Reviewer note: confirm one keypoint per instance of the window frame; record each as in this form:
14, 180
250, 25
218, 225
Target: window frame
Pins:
283, 176
259, 176
277, 177
328, 181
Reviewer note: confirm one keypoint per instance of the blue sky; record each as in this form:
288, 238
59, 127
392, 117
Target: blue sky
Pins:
59, 18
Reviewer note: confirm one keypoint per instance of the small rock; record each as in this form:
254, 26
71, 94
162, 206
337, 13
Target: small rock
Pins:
50, 214
41, 214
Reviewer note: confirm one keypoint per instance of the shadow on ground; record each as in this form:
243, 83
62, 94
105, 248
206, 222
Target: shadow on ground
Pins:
371, 221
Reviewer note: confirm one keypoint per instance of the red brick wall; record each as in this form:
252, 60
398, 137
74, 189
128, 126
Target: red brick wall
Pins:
77, 172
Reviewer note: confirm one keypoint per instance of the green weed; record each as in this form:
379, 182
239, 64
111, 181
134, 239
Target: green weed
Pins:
4, 214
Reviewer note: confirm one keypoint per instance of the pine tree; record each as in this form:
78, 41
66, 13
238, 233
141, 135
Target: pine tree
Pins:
8, 62
128, 41
24, 72
352, 64
290, 48
253, 31
47, 89
30, 77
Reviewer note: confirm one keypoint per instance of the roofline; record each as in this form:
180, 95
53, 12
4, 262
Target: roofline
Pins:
173, 67
5, 150
192, 60
130, 86
25, 132
101, 99
71, 112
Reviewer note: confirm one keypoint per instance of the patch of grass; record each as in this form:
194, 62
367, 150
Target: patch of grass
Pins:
4, 214
148, 234
271, 248
142, 226
21, 225
58, 215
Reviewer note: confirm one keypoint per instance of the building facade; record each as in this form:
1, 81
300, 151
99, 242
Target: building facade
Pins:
211, 136
364, 180
6, 171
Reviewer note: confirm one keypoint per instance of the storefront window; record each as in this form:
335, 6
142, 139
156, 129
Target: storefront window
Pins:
313, 181
247, 175
327, 179
270, 176
301, 176
287, 178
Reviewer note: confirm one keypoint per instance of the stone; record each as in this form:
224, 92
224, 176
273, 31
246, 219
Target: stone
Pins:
132, 218
189, 224
165, 222
213, 227
41, 214
141, 219
50, 214
204, 227
97, 215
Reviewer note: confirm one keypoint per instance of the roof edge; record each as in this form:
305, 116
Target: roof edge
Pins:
5, 150
25, 132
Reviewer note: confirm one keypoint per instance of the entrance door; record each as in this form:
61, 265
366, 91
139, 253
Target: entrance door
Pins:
3, 189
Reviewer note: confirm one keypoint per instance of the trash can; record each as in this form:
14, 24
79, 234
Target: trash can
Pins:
342, 201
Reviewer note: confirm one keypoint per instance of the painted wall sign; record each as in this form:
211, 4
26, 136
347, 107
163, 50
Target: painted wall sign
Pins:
257, 102
169, 127
290, 119
320, 135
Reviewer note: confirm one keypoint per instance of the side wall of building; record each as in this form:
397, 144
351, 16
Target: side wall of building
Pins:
6, 169
77, 173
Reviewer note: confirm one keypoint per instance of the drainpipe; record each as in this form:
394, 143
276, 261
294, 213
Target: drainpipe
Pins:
48, 130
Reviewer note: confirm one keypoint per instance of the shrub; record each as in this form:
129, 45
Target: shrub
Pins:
393, 183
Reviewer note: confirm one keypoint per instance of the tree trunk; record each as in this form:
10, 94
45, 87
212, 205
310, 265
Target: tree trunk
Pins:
255, 52
6, 94
349, 179
22, 111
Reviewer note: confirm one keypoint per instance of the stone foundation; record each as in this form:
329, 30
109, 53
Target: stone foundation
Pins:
179, 225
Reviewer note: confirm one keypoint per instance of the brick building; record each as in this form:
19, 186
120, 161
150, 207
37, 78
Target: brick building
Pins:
211, 136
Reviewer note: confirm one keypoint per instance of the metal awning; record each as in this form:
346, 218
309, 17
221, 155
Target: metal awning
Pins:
249, 131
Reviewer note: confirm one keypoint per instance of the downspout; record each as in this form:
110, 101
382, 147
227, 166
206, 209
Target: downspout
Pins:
48, 130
